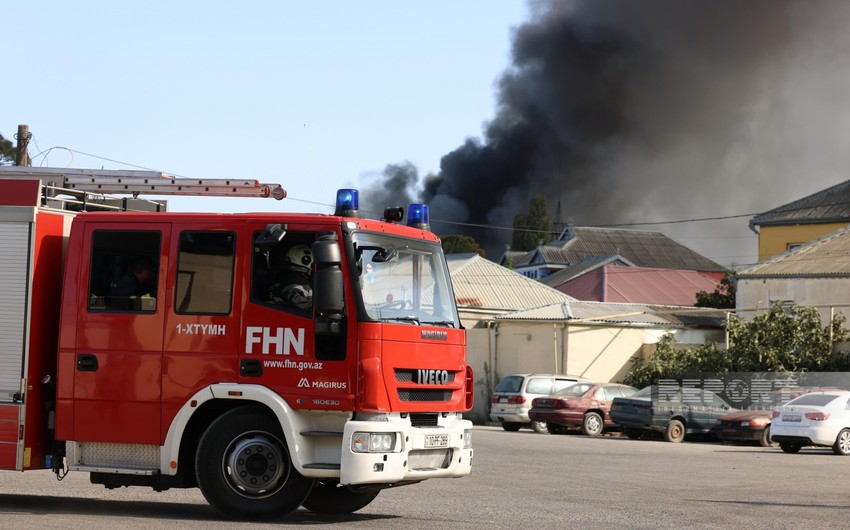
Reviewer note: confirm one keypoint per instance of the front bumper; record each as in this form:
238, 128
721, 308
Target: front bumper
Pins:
421, 452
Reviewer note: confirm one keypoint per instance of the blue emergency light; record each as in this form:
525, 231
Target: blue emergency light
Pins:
417, 216
347, 203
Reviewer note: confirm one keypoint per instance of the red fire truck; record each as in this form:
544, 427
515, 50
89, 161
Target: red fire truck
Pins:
148, 348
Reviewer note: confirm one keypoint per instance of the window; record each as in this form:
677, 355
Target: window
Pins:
539, 385
124, 270
205, 273
281, 274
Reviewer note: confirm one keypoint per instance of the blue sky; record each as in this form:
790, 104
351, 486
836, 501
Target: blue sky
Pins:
314, 95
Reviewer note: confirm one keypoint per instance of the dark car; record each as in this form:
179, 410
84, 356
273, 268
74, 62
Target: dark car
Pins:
672, 411
583, 405
753, 424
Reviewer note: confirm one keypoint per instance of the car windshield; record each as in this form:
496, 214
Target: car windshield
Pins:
576, 390
815, 400
404, 280
511, 383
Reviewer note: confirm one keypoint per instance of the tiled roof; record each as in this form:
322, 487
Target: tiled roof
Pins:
828, 256
640, 247
639, 285
623, 314
481, 283
827, 206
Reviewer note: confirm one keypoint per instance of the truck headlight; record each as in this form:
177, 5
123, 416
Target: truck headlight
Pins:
373, 442
467, 439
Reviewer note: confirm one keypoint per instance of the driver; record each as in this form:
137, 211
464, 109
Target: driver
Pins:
292, 286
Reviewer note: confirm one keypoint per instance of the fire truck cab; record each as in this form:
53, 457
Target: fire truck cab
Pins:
160, 349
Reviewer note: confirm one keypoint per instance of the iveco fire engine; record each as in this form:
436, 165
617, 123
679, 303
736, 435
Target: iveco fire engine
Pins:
200, 378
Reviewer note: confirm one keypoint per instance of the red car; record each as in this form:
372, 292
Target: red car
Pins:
583, 405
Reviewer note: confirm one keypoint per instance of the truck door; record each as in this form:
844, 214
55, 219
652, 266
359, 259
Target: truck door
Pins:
117, 381
202, 322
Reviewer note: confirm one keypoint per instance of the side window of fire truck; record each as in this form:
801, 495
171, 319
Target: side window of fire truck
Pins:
281, 273
124, 270
205, 273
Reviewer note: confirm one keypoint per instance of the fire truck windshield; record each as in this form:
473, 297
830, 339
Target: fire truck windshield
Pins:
404, 280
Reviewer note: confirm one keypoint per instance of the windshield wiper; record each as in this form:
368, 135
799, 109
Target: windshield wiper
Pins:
412, 320
444, 323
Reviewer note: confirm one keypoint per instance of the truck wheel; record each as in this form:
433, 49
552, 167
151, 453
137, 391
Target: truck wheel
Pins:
331, 498
510, 426
592, 424
244, 469
675, 431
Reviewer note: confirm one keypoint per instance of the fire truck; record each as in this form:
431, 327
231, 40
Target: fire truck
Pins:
148, 347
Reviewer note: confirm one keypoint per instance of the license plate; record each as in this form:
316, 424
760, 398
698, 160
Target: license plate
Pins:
792, 417
503, 400
436, 440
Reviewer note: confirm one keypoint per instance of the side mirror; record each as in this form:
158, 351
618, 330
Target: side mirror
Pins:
328, 295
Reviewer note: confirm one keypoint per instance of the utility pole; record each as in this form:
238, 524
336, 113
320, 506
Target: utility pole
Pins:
23, 138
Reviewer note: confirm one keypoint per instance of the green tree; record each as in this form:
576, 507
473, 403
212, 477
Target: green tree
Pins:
785, 339
458, 244
536, 226
7, 152
723, 296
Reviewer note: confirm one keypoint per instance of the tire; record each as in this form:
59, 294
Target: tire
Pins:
331, 498
842, 443
633, 434
765, 438
244, 469
675, 431
511, 427
592, 424
554, 428
539, 427
790, 448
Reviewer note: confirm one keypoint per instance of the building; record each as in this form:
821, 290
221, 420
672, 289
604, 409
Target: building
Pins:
794, 224
814, 274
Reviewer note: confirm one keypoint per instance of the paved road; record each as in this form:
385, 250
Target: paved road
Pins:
519, 480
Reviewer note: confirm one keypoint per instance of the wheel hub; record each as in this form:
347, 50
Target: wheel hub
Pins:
255, 464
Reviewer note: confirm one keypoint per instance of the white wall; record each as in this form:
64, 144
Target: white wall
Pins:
824, 293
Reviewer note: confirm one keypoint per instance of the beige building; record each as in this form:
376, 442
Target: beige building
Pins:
595, 340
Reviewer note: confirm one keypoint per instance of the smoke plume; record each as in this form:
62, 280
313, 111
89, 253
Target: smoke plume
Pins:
626, 112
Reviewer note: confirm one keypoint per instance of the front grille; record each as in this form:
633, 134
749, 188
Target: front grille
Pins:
428, 419
405, 375
424, 395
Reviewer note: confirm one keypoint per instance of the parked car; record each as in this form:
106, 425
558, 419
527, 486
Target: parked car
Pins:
817, 418
582, 405
514, 393
753, 424
674, 413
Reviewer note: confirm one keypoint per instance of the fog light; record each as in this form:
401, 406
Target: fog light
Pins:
373, 442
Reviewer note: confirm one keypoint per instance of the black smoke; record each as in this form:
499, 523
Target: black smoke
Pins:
627, 111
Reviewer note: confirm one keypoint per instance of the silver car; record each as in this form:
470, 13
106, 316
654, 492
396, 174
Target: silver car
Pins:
514, 393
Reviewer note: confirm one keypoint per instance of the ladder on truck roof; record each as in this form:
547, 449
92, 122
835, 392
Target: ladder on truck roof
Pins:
93, 187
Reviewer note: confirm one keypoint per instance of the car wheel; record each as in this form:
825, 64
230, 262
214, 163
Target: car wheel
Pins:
554, 428
790, 448
765, 438
842, 443
512, 427
539, 427
675, 431
592, 424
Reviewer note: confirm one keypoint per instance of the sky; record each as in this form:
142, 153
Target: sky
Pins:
314, 95
620, 113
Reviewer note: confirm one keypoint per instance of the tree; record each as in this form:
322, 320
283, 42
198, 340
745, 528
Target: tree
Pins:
7, 152
531, 229
458, 244
785, 339
723, 296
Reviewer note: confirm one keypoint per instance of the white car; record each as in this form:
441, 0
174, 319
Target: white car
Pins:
819, 418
